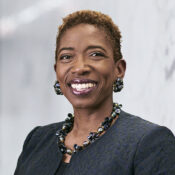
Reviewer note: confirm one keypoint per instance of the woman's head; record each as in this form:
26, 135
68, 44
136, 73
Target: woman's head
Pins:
97, 19
86, 65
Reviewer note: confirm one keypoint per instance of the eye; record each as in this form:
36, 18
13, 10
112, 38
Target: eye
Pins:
97, 54
65, 58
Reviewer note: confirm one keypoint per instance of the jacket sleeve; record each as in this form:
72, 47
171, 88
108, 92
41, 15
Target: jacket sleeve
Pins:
27, 147
155, 153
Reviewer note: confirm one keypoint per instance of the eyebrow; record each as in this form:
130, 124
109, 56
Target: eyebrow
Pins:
95, 47
65, 48
88, 48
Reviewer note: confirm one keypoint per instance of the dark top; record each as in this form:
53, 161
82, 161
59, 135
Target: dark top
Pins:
61, 168
132, 146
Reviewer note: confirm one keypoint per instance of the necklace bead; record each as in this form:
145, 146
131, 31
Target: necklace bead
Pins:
100, 130
68, 125
86, 143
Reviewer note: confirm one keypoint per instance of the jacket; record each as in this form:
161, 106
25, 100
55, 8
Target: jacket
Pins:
131, 146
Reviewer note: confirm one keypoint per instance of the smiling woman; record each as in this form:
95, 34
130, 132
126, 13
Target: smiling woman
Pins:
85, 59
99, 138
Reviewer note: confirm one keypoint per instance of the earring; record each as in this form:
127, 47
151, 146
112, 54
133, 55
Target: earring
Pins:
118, 85
57, 88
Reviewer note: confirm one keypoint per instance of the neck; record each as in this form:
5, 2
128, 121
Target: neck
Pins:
89, 119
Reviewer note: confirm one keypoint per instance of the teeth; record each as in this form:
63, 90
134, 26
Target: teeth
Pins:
82, 86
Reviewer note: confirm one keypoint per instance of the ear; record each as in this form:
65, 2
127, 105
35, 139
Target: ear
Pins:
120, 66
55, 69
55, 66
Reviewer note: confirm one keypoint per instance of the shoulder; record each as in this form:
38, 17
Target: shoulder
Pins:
48, 129
154, 145
41, 134
136, 126
37, 142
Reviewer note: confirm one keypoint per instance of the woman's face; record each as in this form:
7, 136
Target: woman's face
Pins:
85, 66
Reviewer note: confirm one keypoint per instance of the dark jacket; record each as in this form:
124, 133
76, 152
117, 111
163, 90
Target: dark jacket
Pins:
132, 146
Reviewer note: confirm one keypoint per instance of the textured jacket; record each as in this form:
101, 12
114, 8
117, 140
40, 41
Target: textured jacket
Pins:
131, 146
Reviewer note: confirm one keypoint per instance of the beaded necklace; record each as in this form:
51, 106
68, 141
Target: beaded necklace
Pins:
68, 125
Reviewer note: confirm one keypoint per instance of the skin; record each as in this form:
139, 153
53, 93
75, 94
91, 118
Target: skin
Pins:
85, 53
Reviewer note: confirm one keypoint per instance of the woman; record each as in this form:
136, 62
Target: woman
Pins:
99, 138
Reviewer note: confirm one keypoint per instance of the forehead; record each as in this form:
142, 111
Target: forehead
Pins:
85, 33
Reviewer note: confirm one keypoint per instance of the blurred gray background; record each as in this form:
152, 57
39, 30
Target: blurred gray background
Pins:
27, 43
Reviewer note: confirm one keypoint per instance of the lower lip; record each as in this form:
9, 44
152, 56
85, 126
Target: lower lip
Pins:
83, 92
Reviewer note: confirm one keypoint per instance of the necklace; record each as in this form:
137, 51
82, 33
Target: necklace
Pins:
68, 125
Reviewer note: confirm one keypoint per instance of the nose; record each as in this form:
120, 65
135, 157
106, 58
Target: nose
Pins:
80, 67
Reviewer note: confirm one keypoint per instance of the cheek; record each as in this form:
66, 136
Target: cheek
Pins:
60, 72
107, 72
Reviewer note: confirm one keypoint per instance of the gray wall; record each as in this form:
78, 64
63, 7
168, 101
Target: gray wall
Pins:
27, 32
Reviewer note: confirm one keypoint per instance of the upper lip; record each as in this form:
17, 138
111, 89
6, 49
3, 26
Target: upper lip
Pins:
81, 81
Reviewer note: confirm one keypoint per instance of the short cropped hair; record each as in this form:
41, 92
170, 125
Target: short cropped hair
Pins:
96, 19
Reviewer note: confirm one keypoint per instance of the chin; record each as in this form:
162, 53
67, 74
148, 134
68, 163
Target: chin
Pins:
83, 103
79, 104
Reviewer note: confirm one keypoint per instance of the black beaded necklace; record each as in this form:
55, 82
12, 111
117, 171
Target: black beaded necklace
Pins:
68, 125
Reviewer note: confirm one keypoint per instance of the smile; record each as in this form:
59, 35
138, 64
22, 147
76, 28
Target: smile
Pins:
82, 86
